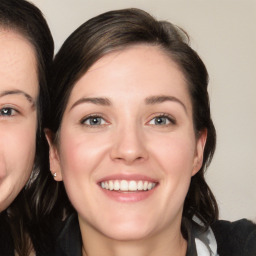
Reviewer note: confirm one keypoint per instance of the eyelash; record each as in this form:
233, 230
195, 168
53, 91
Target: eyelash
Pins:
4, 115
89, 118
168, 117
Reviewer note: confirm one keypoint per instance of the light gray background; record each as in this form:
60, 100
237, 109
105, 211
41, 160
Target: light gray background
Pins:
223, 33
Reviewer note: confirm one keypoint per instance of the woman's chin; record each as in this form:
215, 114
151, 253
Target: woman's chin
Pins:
127, 234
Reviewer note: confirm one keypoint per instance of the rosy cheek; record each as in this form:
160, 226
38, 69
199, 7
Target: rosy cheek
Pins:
76, 153
173, 149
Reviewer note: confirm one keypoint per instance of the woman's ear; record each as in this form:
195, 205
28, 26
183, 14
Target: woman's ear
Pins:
199, 152
53, 156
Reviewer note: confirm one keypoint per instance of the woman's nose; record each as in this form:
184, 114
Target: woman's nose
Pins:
129, 146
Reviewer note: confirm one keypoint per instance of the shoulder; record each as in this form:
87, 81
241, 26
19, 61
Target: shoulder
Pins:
69, 241
235, 238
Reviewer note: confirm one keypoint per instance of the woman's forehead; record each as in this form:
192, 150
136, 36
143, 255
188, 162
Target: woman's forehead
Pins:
18, 64
141, 69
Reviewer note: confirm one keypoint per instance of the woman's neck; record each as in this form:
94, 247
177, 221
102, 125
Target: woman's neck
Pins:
167, 243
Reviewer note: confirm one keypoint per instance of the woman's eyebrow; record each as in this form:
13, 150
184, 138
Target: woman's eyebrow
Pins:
27, 96
163, 98
96, 101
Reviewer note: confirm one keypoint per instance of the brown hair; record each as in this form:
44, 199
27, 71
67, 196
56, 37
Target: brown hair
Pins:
116, 30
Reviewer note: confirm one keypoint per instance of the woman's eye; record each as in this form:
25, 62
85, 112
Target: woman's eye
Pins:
7, 112
94, 121
161, 120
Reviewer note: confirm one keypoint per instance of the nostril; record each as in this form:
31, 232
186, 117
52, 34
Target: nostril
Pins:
128, 159
128, 147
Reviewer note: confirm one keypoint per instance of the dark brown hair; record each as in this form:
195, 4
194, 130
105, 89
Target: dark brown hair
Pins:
116, 30
26, 19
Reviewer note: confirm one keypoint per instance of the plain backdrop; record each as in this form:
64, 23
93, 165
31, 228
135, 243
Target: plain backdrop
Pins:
223, 33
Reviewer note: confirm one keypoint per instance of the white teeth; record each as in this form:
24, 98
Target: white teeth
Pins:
140, 185
125, 185
116, 185
150, 185
132, 185
145, 185
111, 185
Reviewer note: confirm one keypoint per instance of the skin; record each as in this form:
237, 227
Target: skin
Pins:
127, 140
18, 115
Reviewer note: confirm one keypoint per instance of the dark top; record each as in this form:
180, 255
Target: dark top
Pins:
233, 239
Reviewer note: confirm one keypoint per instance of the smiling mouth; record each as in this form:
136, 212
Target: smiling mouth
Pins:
127, 185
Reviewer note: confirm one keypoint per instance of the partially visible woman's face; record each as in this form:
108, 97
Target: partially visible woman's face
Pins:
18, 115
127, 148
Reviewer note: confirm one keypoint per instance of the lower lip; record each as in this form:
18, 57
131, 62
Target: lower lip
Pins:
128, 196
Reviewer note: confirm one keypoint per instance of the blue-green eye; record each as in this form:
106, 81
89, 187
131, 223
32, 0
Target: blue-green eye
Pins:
7, 112
161, 120
94, 121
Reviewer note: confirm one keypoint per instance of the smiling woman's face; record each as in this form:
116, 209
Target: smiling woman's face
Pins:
127, 148
18, 115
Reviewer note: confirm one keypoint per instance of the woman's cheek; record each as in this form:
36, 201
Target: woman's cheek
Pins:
81, 151
175, 152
